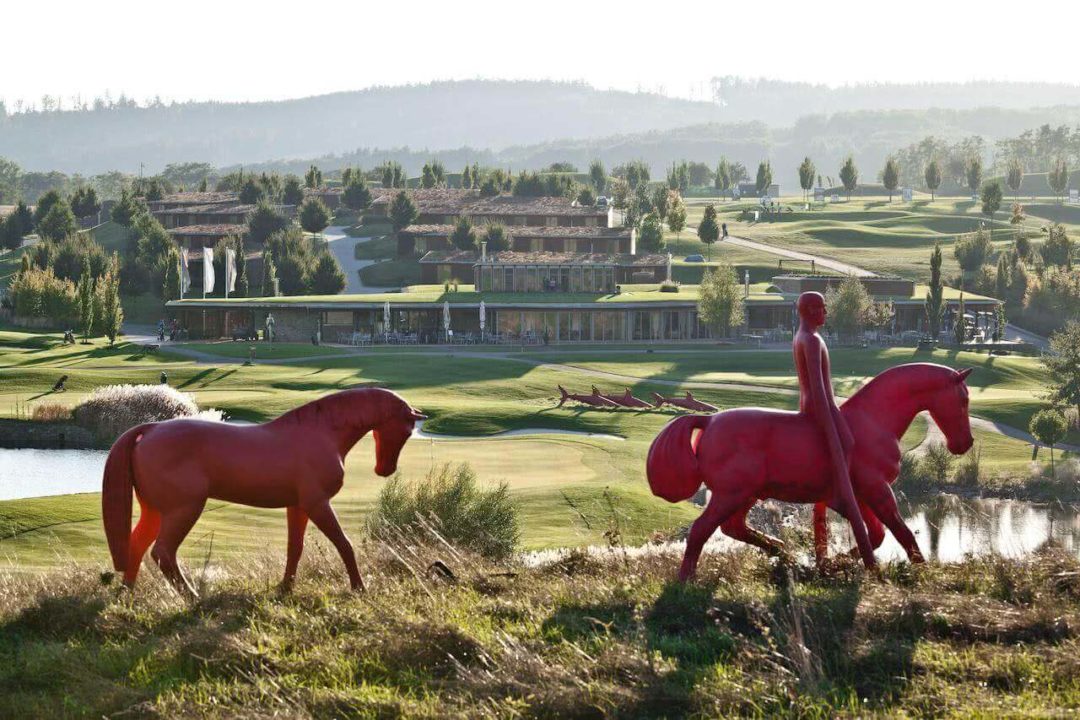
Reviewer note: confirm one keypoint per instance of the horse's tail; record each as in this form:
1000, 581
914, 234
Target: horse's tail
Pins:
672, 466
565, 395
116, 495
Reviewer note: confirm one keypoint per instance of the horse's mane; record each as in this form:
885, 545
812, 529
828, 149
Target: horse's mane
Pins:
355, 406
913, 377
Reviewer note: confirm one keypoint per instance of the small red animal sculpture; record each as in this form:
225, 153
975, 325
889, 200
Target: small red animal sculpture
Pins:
686, 403
294, 462
750, 454
594, 400
626, 400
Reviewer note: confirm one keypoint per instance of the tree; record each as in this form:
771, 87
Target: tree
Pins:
58, 223
314, 215
269, 278
722, 180
960, 333
651, 238
807, 171
466, 178
112, 313
242, 285
313, 178
489, 188
764, 176
356, 195
1058, 248
9, 234
251, 192
890, 176
991, 202
709, 229
973, 173
1058, 178
127, 209
1014, 176
393, 176
676, 216
44, 205
327, 277
849, 306
971, 251
660, 201
264, 222
1001, 277
1063, 366
23, 217
403, 211
720, 300
171, 289
496, 238
849, 176
427, 177
463, 236
84, 202
597, 176
932, 176
935, 301
439, 171
1049, 428
86, 300
292, 193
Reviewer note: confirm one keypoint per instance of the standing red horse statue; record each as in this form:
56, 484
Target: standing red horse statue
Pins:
295, 462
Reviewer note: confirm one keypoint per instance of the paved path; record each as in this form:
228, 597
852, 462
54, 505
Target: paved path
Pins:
1012, 332
840, 267
343, 248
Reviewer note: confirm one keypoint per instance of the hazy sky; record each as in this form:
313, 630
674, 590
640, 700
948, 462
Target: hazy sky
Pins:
240, 50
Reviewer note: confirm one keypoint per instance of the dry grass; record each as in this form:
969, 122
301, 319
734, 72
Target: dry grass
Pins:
50, 412
581, 636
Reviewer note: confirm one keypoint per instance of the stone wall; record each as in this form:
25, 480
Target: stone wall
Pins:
47, 436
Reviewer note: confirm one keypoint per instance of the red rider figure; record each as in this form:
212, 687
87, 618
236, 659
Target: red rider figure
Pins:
816, 400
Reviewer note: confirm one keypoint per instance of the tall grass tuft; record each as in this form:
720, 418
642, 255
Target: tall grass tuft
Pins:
112, 409
480, 520
50, 412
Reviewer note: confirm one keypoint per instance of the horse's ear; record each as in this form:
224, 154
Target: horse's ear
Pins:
963, 373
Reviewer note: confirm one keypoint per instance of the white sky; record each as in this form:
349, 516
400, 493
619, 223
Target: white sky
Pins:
243, 50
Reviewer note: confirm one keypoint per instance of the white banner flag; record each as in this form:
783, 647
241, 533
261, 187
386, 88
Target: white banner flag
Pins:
230, 271
207, 270
185, 276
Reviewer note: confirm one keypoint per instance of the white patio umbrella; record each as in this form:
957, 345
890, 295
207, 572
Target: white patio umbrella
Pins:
483, 318
386, 318
446, 318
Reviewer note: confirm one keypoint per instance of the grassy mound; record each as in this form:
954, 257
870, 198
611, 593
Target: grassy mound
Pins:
582, 635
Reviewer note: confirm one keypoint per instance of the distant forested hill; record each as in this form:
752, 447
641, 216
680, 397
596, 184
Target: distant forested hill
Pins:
485, 114
521, 121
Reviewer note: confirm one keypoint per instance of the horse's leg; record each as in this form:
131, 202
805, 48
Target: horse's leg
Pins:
326, 520
874, 528
883, 504
716, 512
821, 534
144, 534
176, 523
736, 527
298, 520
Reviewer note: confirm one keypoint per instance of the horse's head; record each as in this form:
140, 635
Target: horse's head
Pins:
390, 436
949, 409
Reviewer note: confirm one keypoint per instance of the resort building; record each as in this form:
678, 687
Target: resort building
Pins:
443, 206
511, 271
191, 199
419, 239
520, 315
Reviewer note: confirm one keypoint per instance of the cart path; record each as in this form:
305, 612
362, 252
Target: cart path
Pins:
840, 267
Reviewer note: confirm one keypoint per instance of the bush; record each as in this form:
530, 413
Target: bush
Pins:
449, 499
969, 471
50, 412
110, 410
669, 286
935, 463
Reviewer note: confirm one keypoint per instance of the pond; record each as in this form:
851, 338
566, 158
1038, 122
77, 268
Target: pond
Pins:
947, 527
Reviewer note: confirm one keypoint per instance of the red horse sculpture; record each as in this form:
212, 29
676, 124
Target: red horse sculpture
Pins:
626, 400
294, 462
689, 402
595, 400
751, 454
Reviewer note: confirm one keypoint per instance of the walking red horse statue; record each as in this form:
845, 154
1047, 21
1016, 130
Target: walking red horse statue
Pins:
294, 462
750, 454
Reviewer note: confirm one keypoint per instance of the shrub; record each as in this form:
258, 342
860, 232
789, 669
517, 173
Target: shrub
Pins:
450, 500
935, 463
110, 410
50, 412
969, 470
669, 286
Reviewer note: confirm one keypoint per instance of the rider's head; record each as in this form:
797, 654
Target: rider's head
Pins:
811, 308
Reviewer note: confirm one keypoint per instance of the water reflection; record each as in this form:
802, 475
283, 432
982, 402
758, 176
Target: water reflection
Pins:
28, 473
948, 527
